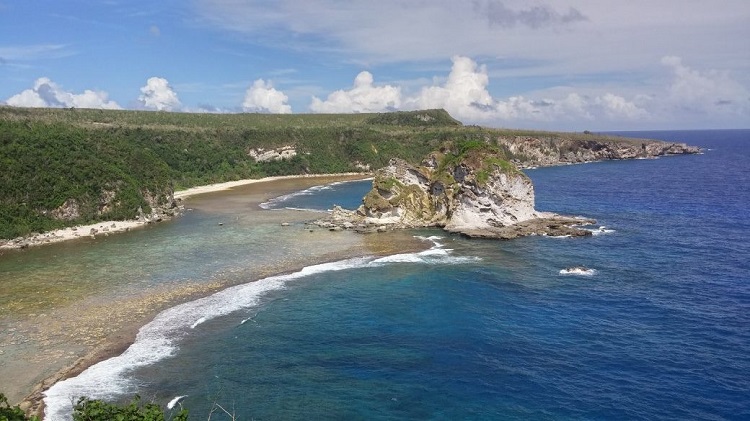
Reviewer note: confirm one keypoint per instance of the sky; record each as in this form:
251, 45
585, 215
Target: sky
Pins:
542, 64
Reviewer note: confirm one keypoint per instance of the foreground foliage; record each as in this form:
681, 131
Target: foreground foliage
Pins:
12, 413
95, 410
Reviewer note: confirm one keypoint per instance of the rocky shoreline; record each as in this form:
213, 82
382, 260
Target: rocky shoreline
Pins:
99, 229
530, 152
477, 189
172, 208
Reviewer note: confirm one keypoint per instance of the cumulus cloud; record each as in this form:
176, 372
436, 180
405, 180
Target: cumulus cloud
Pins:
465, 95
617, 107
158, 95
363, 97
262, 97
712, 91
47, 93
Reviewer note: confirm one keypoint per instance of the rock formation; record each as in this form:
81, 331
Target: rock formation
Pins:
263, 155
468, 188
544, 151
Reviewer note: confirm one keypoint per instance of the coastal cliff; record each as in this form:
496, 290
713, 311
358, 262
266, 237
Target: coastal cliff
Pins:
545, 149
468, 188
71, 167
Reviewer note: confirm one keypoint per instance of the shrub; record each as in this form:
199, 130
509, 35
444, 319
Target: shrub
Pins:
95, 410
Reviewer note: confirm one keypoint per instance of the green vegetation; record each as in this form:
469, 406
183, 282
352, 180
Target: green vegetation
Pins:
386, 184
425, 118
12, 413
95, 410
112, 162
105, 164
478, 154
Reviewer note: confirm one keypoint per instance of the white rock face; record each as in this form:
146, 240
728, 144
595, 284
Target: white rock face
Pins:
262, 155
505, 200
476, 194
416, 196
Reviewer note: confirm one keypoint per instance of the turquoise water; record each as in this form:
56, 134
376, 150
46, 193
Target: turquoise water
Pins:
492, 330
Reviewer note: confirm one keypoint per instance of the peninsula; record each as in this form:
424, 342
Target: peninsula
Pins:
64, 168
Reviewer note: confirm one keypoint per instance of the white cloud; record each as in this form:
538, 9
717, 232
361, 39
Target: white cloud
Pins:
464, 94
262, 97
34, 52
558, 37
363, 97
616, 107
46, 93
709, 92
158, 95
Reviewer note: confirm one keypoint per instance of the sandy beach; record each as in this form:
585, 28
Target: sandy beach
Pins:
210, 188
56, 336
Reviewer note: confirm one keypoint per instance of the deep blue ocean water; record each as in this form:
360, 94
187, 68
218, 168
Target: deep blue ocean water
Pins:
487, 330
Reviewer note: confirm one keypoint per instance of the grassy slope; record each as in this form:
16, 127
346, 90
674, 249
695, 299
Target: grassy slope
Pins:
48, 156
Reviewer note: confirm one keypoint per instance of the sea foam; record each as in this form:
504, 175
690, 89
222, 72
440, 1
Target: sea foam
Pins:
578, 271
272, 203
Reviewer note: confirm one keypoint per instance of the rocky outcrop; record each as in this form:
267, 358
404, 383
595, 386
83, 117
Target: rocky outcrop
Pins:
542, 151
163, 206
468, 189
68, 211
267, 155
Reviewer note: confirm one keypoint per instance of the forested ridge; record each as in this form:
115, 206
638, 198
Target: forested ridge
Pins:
63, 167
111, 162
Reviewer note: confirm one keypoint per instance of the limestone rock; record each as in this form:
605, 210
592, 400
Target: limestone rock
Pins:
263, 155
68, 211
467, 189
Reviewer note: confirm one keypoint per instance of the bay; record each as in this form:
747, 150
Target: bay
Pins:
479, 329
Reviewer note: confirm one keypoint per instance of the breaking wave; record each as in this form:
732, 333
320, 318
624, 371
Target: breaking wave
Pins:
160, 338
578, 271
276, 201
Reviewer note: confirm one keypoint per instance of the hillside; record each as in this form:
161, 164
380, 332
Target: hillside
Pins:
63, 167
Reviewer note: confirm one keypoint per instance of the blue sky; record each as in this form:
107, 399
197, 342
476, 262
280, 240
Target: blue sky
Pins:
548, 64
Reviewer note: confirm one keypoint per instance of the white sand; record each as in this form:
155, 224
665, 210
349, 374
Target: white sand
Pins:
182, 194
71, 233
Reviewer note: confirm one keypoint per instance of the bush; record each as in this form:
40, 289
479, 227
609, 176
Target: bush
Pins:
95, 410
12, 413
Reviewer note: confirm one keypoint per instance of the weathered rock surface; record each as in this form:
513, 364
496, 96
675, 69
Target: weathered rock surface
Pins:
540, 151
267, 155
469, 190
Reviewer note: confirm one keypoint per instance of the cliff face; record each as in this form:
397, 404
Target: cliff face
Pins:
530, 151
470, 190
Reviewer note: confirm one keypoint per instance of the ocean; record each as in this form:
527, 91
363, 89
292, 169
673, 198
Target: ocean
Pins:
657, 327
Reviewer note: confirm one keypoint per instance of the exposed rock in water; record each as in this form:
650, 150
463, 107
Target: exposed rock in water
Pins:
468, 189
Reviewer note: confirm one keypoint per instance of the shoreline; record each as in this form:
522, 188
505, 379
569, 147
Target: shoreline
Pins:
211, 188
106, 228
124, 336
34, 404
